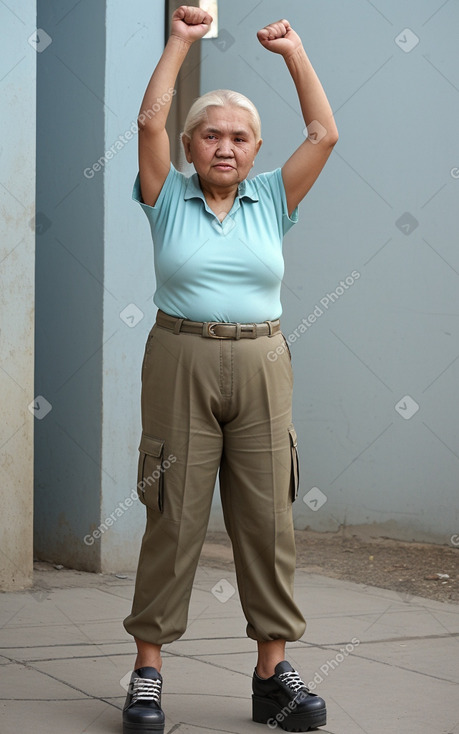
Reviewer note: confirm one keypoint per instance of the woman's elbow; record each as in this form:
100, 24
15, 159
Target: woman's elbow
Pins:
332, 136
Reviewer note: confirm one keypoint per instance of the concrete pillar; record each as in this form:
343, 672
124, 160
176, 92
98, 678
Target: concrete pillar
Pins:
17, 245
95, 279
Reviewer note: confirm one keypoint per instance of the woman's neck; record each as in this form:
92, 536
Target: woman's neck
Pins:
219, 199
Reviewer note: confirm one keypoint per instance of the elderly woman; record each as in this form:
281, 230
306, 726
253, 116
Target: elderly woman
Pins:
212, 399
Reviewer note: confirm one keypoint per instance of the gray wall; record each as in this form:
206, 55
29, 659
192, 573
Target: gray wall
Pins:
385, 206
17, 244
93, 261
135, 40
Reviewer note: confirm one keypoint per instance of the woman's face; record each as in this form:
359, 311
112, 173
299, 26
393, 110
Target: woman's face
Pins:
223, 147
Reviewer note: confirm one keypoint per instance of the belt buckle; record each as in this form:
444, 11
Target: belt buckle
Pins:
208, 330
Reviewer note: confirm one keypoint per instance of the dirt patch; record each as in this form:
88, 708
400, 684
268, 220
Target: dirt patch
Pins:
411, 569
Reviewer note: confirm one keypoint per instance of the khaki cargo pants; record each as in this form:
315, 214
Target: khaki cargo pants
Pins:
216, 405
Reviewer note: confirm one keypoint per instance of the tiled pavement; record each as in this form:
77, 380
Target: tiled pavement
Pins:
63, 652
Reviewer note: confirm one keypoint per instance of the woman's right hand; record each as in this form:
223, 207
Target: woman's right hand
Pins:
190, 23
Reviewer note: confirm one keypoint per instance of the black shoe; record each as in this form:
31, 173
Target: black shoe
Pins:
283, 700
142, 711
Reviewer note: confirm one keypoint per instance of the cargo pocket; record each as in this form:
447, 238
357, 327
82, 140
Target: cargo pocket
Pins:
150, 476
295, 469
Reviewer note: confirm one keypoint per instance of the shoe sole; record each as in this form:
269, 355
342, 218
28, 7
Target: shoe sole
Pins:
131, 728
268, 712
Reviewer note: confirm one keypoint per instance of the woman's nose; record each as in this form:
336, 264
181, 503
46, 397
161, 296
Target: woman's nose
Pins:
225, 148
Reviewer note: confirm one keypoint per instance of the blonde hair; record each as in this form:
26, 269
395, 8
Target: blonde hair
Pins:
220, 98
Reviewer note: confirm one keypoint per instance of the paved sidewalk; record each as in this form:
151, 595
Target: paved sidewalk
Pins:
63, 651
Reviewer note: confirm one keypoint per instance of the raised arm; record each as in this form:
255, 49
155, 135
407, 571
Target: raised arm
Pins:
188, 25
303, 167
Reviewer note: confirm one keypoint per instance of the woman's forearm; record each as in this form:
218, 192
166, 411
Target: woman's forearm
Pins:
158, 96
313, 100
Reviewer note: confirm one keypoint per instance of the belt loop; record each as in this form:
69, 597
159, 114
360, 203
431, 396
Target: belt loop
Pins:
238, 331
178, 326
270, 327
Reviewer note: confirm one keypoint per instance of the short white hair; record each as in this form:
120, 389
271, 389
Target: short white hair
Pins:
220, 98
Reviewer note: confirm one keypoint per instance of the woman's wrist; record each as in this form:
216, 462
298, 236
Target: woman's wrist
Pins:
184, 43
298, 54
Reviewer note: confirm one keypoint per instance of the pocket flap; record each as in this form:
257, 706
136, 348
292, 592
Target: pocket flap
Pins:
151, 446
293, 437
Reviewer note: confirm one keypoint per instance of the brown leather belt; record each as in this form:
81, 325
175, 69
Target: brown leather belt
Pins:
217, 329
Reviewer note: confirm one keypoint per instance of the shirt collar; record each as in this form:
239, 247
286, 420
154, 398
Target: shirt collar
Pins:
245, 190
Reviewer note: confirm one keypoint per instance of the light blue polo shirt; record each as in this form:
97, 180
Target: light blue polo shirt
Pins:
207, 270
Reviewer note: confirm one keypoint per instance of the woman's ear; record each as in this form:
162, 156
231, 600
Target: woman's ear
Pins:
186, 141
257, 148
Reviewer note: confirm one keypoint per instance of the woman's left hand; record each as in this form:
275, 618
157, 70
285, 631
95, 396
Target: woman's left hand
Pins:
280, 38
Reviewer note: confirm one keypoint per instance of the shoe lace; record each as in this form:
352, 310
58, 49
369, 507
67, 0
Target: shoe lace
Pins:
293, 681
146, 689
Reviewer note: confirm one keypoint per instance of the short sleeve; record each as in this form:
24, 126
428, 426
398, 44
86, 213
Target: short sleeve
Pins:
287, 221
157, 214
273, 183
167, 187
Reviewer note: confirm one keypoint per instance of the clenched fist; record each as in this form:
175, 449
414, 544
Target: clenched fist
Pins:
190, 23
279, 37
